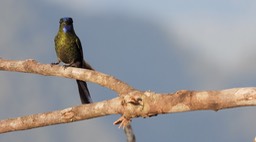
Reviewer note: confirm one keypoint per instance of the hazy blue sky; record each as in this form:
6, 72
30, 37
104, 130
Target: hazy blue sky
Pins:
163, 46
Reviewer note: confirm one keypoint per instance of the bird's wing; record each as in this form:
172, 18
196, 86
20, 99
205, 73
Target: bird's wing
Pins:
84, 63
79, 45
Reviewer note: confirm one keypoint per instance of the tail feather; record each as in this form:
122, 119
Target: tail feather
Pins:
82, 85
86, 65
84, 92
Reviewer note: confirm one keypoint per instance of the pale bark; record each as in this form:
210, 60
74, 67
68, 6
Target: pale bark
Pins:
130, 103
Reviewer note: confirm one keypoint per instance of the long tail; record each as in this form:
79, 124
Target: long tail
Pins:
82, 86
84, 92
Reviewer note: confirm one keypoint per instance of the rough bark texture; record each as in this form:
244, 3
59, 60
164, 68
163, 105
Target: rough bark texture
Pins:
130, 103
31, 66
61, 116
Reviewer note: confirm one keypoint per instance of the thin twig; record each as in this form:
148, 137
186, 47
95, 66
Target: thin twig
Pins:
129, 133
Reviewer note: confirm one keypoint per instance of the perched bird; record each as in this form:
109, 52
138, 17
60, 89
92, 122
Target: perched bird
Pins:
69, 51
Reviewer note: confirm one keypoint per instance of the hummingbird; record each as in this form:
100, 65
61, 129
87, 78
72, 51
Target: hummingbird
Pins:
69, 51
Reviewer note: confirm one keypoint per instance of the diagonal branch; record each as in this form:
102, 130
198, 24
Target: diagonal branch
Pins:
149, 104
31, 66
131, 103
61, 116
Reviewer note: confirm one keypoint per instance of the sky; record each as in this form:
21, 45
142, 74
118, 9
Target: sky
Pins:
162, 46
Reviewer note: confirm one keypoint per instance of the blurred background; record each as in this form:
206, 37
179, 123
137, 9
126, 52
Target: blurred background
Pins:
162, 46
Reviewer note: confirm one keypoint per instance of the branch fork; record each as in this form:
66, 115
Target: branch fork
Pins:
135, 104
130, 102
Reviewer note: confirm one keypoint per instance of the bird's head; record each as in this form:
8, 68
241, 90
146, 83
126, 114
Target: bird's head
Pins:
66, 24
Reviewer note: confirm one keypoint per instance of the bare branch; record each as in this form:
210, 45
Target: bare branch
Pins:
61, 116
138, 104
31, 66
129, 133
131, 103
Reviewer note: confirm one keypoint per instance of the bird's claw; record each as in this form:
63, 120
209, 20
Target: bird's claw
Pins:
55, 63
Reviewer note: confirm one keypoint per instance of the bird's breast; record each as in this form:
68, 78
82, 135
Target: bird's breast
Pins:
67, 49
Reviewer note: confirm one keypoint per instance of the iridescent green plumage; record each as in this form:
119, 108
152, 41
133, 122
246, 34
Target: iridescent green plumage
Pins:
69, 51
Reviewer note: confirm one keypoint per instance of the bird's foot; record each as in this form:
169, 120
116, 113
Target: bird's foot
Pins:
55, 63
67, 65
